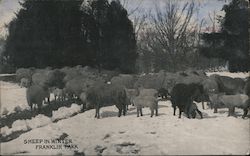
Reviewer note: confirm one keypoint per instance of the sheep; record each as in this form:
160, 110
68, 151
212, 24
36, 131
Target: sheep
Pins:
25, 82
148, 92
131, 94
124, 79
238, 100
35, 94
151, 81
24, 73
78, 85
210, 86
102, 94
230, 85
146, 101
215, 102
55, 78
182, 96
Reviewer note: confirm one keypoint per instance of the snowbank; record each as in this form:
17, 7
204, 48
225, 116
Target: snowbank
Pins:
129, 135
233, 75
24, 125
64, 112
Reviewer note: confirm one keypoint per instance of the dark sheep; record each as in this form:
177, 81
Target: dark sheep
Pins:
102, 94
230, 85
183, 95
35, 94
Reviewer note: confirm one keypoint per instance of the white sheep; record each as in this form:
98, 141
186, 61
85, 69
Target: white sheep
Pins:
131, 94
238, 100
146, 101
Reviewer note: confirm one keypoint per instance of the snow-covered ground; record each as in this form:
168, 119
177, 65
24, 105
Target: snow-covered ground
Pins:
110, 135
233, 75
11, 95
162, 135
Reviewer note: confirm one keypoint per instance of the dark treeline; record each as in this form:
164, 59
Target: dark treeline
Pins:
67, 33
98, 33
232, 42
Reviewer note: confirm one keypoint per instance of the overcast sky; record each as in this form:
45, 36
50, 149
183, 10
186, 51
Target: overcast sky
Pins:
9, 7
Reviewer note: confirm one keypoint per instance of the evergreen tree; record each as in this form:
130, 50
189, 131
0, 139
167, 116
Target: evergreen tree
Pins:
46, 33
232, 43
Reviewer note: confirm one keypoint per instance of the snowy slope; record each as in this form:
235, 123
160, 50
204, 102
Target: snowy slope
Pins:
165, 134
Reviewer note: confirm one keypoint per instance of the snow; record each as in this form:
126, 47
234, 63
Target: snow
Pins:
162, 135
130, 135
233, 75
64, 112
12, 95
24, 125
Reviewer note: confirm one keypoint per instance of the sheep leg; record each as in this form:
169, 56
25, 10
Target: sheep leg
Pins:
156, 109
98, 112
174, 109
215, 109
141, 111
245, 113
120, 112
125, 108
138, 111
48, 101
202, 103
199, 113
230, 109
152, 113
179, 113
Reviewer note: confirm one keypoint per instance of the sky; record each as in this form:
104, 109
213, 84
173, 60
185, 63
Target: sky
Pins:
9, 7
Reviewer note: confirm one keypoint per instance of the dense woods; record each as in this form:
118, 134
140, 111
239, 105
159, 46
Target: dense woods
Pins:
107, 35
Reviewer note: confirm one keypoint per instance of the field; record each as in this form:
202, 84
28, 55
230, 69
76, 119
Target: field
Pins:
162, 135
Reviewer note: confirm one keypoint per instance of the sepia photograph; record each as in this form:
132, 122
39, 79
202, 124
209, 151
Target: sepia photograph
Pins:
124, 77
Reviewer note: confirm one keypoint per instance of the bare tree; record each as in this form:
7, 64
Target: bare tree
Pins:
176, 31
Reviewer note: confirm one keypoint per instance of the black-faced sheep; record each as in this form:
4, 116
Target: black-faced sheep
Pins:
35, 94
102, 94
146, 101
183, 95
